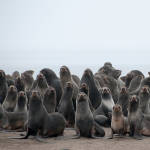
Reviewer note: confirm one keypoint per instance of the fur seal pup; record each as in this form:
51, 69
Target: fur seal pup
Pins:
11, 99
19, 83
28, 79
65, 76
94, 94
66, 107
53, 81
124, 100
106, 107
135, 83
42, 123
49, 100
21, 105
84, 88
84, 122
3, 86
119, 123
144, 97
12, 120
76, 79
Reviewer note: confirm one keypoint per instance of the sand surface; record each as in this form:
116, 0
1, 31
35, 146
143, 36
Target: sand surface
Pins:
117, 143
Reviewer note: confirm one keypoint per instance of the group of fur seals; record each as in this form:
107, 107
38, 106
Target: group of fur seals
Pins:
49, 104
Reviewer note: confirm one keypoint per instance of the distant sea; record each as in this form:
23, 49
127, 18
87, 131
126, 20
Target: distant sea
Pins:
75, 69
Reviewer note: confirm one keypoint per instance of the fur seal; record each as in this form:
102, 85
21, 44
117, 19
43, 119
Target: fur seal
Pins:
124, 100
131, 75
65, 76
84, 88
119, 123
42, 123
106, 107
11, 99
94, 94
84, 122
53, 81
3, 86
76, 79
135, 83
41, 84
66, 107
49, 100
144, 97
12, 120
28, 79
15, 74
19, 83
21, 105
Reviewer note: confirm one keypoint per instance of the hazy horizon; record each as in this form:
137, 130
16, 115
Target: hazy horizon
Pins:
35, 34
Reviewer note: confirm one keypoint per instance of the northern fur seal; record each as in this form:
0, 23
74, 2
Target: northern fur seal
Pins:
49, 100
42, 123
84, 122
53, 81
94, 94
11, 99
119, 123
66, 107
3, 86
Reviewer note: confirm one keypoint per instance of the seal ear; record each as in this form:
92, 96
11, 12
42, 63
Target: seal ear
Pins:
117, 74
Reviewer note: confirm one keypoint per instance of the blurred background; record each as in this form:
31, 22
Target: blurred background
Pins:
81, 34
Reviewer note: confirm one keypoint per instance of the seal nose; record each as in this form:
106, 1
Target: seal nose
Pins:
11, 88
62, 69
123, 90
144, 89
40, 75
34, 93
21, 93
84, 85
134, 98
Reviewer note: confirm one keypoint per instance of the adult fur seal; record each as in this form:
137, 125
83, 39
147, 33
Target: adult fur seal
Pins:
65, 76
49, 100
138, 122
66, 107
41, 84
84, 121
135, 83
19, 83
3, 86
124, 100
76, 79
42, 123
53, 81
11, 99
94, 94
102, 114
28, 79
131, 75
21, 105
84, 88
119, 123
12, 120
144, 97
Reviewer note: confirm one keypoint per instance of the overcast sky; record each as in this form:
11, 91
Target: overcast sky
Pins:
51, 33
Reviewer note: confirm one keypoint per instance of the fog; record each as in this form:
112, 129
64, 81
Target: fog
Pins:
82, 33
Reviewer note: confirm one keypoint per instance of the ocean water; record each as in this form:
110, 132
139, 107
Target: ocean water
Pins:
75, 69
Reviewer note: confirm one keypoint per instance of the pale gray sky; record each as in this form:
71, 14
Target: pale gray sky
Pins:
50, 33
